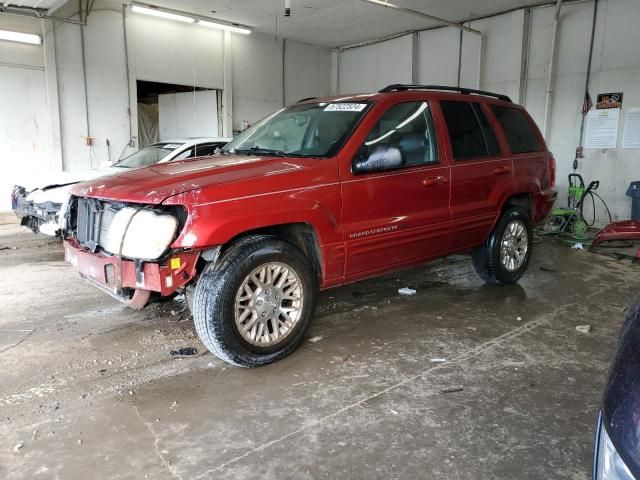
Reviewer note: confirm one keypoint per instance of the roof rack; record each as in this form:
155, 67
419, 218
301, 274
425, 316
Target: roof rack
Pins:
398, 87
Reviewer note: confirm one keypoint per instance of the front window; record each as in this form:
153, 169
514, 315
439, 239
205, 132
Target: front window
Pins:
403, 137
304, 130
148, 156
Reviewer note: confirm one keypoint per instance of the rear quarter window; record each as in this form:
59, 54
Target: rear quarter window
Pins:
469, 130
520, 133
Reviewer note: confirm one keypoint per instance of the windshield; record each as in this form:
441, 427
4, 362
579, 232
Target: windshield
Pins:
306, 130
148, 155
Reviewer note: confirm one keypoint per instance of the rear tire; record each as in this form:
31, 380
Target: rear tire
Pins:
505, 255
254, 305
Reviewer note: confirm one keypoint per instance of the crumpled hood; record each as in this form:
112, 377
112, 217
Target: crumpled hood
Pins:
60, 179
154, 184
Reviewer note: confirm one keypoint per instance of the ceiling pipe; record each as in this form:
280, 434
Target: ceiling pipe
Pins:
398, 8
550, 68
36, 13
586, 82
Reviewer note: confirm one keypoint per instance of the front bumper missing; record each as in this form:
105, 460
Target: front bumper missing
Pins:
133, 283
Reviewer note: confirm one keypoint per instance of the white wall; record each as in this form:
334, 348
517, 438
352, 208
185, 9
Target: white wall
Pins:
256, 70
373, 67
307, 72
616, 67
24, 122
159, 50
188, 114
438, 50
258, 75
166, 51
108, 117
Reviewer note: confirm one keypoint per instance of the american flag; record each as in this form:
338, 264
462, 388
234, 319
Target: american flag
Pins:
587, 104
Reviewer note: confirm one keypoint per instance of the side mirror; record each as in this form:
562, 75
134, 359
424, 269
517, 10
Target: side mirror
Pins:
381, 157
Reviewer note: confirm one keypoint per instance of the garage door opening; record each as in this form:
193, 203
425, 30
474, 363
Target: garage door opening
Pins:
168, 111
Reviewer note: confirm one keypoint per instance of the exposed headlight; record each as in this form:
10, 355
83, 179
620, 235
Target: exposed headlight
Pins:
608, 464
147, 236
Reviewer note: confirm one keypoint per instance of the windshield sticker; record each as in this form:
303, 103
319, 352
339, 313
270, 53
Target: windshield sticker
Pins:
171, 146
345, 107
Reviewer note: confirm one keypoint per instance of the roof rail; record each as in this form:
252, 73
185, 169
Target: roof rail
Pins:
306, 99
398, 87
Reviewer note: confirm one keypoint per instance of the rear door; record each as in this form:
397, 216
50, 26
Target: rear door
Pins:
399, 214
530, 157
481, 174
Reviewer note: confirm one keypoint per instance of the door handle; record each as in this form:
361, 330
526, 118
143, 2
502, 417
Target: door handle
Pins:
502, 170
439, 180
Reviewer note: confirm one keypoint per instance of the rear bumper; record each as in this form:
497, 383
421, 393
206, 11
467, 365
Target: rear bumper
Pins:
117, 278
543, 203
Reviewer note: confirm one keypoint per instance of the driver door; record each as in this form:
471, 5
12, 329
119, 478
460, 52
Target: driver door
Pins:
396, 201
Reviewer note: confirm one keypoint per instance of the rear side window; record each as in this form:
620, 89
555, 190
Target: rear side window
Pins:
520, 134
470, 133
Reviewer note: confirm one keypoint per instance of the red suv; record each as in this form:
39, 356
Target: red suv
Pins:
321, 193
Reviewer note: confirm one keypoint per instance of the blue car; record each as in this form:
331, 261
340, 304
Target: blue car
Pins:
617, 445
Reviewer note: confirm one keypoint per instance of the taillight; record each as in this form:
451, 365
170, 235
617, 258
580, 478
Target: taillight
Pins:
552, 171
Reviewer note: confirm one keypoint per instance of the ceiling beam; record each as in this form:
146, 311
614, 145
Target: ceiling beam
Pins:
393, 6
36, 13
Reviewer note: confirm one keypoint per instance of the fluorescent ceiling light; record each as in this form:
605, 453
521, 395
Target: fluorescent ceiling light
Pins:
20, 37
224, 26
161, 13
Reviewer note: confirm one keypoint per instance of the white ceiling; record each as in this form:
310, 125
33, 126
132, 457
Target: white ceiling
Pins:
43, 4
337, 22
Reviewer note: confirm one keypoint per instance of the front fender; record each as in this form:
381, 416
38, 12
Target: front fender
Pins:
215, 223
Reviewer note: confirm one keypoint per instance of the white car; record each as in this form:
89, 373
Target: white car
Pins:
38, 206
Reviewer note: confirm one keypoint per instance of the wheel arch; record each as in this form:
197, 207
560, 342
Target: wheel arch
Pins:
300, 234
522, 200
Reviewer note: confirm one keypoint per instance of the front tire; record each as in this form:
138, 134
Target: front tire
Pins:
505, 255
254, 305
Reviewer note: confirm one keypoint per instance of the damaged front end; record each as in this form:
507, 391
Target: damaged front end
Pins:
38, 210
124, 249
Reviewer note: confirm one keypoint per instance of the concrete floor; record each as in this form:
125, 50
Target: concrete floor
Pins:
89, 390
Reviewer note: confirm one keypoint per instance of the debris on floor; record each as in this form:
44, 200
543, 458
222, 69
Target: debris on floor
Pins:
438, 360
453, 389
18, 447
548, 269
184, 352
577, 246
406, 291
584, 328
315, 339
